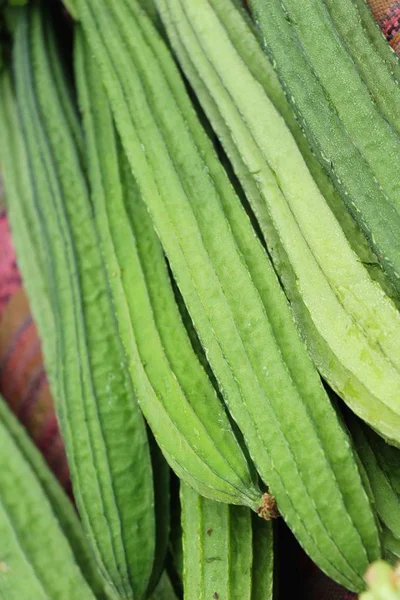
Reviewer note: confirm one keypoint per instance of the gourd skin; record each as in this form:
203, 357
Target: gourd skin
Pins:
322, 85
250, 340
61, 505
377, 38
373, 63
380, 461
351, 327
37, 560
103, 429
176, 396
226, 553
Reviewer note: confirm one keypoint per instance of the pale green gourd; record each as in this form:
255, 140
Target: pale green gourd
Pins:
175, 394
351, 327
233, 296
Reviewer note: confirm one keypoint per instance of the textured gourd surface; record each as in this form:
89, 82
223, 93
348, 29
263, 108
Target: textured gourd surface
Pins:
376, 71
37, 560
175, 394
61, 505
377, 38
224, 550
105, 435
245, 37
353, 332
353, 140
233, 296
365, 121
385, 495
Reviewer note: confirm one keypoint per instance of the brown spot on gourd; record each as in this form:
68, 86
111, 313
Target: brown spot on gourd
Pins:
209, 531
268, 509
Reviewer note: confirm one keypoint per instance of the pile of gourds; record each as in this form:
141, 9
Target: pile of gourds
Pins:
205, 208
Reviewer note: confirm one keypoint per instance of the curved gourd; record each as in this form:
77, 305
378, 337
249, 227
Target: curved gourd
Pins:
233, 296
37, 561
104, 432
176, 396
351, 326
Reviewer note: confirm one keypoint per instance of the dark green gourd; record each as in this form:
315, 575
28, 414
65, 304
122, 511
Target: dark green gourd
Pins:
104, 432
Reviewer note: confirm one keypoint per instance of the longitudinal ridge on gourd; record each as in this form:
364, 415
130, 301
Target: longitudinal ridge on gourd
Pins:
194, 431
234, 549
101, 422
337, 128
38, 560
232, 295
310, 251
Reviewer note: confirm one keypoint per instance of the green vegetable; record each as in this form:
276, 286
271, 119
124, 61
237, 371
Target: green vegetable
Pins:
377, 38
391, 545
352, 329
386, 498
376, 72
103, 429
175, 542
162, 500
61, 505
244, 38
264, 584
389, 460
37, 561
175, 394
380, 462
226, 554
233, 296
381, 491
164, 589
321, 81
